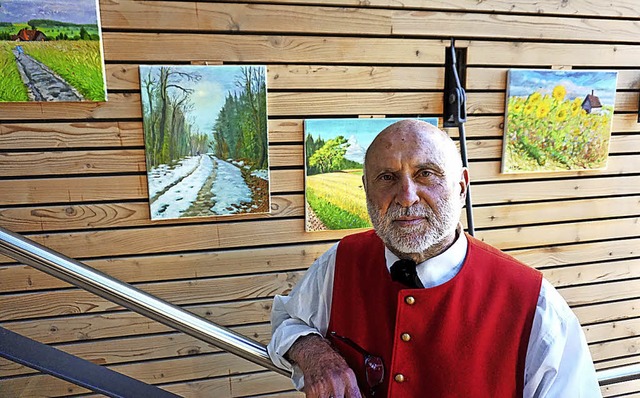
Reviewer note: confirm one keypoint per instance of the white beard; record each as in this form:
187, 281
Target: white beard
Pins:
419, 238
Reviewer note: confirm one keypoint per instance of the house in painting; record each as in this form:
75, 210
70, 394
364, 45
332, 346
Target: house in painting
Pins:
29, 35
592, 103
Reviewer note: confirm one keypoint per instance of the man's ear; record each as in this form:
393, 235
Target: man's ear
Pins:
464, 183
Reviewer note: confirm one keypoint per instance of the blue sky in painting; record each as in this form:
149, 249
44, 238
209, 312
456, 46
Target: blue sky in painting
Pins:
523, 82
209, 93
359, 132
74, 11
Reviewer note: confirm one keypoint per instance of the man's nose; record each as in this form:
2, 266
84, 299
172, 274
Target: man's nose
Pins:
407, 193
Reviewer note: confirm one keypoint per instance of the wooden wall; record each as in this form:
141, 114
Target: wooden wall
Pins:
73, 175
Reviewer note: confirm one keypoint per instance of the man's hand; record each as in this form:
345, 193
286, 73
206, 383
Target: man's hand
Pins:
326, 373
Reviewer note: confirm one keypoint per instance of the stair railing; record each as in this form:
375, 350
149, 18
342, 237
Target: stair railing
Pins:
53, 263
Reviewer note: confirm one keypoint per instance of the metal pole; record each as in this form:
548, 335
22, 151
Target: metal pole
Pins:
465, 163
618, 375
457, 98
85, 277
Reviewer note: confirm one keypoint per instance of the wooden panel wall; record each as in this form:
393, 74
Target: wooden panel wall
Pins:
73, 175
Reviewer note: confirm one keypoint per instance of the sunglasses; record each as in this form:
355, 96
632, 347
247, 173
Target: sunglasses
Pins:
373, 366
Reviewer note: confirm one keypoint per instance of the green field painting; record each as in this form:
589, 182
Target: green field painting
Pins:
334, 157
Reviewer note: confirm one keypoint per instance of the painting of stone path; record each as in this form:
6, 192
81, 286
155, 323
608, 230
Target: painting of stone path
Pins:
205, 134
51, 50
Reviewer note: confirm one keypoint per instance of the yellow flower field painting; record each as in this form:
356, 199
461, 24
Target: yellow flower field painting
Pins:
558, 120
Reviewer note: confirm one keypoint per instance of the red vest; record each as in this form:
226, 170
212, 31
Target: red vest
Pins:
465, 338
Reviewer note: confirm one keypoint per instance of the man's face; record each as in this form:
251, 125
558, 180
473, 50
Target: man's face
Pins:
414, 193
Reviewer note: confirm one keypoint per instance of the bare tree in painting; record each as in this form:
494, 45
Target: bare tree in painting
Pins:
168, 104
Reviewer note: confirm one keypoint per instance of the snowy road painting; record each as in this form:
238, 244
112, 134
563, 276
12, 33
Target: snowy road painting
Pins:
204, 185
205, 135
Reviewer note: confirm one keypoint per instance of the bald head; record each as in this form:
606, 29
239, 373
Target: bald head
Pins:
405, 134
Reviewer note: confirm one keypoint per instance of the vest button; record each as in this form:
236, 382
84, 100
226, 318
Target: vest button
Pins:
399, 378
405, 336
410, 300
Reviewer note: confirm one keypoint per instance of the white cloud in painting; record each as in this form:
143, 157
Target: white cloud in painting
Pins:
355, 151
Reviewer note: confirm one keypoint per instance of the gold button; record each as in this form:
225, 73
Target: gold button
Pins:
405, 337
410, 300
399, 378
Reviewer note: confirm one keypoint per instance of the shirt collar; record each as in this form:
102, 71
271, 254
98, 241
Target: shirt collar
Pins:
441, 268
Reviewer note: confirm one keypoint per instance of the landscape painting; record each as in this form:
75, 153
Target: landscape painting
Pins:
558, 120
334, 158
51, 50
205, 134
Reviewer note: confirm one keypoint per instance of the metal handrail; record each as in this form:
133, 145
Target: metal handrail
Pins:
85, 277
619, 374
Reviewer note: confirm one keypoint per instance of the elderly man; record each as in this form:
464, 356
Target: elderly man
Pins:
418, 308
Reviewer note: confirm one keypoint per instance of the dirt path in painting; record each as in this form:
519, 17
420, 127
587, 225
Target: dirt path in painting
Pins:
42, 83
313, 222
212, 200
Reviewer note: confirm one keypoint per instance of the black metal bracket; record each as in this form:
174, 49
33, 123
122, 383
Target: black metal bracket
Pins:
455, 110
455, 97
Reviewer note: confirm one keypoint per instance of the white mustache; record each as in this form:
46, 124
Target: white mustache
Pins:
416, 210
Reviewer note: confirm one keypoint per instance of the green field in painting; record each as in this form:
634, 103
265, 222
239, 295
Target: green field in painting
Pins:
78, 62
338, 199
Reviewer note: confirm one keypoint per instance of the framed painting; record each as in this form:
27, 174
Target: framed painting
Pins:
51, 50
558, 120
334, 158
205, 135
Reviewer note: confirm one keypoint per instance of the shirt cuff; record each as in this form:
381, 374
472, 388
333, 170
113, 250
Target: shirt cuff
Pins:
282, 342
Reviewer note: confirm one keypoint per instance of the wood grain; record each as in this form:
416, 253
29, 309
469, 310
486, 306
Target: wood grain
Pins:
123, 46
70, 135
174, 266
624, 8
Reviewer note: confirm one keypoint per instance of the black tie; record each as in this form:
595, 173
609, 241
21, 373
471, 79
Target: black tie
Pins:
404, 271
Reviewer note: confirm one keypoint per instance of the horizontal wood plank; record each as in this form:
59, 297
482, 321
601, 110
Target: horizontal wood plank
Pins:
608, 312
89, 327
174, 266
623, 8
113, 215
70, 135
190, 16
221, 17
495, 78
592, 273
141, 348
355, 77
109, 188
18, 164
262, 49
286, 104
549, 54
577, 253
292, 77
543, 235
73, 301
170, 370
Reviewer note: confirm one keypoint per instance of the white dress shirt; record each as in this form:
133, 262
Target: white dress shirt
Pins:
558, 362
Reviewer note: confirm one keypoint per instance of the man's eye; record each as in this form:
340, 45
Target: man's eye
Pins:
386, 177
425, 173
